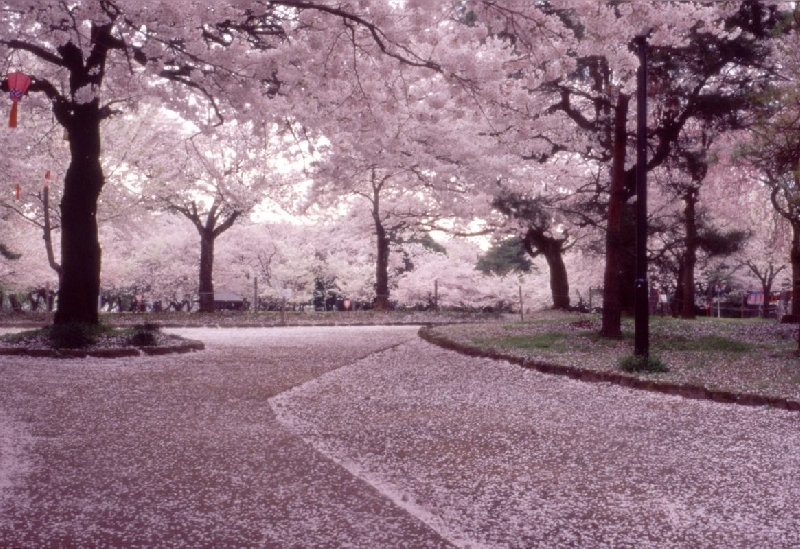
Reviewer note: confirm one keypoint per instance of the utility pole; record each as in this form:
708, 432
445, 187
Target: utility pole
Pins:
641, 306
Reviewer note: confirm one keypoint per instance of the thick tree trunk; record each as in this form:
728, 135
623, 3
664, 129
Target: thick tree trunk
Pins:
690, 255
79, 286
552, 249
794, 258
206, 284
382, 270
612, 306
559, 283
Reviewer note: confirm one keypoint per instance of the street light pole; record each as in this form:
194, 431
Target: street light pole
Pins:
641, 307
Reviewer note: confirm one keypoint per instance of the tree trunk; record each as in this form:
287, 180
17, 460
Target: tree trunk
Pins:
382, 261
552, 249
766, 290
206, 271
382, 269
690, 255
612, 306
79, 286
794, 257
559, 283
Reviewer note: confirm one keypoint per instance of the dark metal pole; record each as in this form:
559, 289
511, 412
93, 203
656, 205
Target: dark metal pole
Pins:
641, 310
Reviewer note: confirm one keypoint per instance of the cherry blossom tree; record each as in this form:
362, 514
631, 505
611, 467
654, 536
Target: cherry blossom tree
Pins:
773, 153
299, 256
155, 259
544, 206
270, 257
400, 142
693, 230
212, 179
699, 53
93, 58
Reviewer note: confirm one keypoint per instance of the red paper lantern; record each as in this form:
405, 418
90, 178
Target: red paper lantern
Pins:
17, 86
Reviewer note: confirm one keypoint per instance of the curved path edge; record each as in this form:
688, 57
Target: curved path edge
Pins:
697, 392
186, 346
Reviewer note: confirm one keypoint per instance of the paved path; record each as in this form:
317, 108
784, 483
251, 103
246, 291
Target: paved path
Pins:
369, 437
184, 450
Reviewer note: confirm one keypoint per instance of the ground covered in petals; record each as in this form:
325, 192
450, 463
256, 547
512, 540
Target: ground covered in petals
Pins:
493, 455
370, 437
184, 450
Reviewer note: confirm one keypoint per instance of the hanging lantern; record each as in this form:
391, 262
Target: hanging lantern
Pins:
17, 86
17, 192
47, 175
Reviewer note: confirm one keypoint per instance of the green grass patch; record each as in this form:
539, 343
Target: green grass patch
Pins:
703, 343
553, 341
545, 340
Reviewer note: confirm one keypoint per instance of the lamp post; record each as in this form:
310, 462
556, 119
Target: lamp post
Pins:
641, 298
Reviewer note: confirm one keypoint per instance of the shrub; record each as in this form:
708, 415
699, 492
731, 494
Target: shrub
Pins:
144, 335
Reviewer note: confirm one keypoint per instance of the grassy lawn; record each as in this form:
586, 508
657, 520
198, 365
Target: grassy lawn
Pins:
746, 356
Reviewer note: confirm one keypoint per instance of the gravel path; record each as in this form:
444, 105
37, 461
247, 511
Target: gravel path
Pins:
369, 437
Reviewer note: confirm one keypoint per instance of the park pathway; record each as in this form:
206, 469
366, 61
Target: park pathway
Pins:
184, 450
369, 437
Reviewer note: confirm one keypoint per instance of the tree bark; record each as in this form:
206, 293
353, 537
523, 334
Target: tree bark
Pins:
382, 260
553, 251
559, 283
206, 282
612, 305
382, 269
794, 257
79, 286
690, 254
